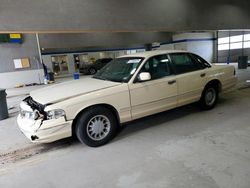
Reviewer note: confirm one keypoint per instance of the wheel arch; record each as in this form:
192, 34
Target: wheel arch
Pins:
108, 106
216, 83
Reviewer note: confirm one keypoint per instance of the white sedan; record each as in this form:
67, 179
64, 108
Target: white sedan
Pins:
128, 88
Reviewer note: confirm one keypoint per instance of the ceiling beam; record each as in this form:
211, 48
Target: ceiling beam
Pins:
94, 16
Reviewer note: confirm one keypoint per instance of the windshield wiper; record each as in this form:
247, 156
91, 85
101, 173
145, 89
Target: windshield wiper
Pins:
106, 79
99, 77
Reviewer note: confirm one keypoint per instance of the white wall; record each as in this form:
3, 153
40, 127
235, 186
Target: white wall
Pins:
195, 35
166, 47
203, 48
203, 44
11, 79
181, 46
106, 55
120, 53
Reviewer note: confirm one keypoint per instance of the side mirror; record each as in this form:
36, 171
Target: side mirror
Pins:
144, 76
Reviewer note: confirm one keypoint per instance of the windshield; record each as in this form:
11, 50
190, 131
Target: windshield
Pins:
119, 70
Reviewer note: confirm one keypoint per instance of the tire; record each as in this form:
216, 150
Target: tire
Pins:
92, 71
96, 126
209, 97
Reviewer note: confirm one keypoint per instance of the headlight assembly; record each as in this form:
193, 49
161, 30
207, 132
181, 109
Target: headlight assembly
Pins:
55, 114
34, 115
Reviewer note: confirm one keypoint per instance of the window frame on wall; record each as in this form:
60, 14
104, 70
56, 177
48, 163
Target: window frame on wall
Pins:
234, 42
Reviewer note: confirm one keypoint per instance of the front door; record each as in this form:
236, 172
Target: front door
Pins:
157, 94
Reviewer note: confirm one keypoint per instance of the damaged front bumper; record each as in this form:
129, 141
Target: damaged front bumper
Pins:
42, 130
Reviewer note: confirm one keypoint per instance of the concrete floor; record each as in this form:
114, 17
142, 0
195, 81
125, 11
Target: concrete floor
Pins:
13, 138
184, 147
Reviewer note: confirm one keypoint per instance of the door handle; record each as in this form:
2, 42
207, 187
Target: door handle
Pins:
171, 82
203, 74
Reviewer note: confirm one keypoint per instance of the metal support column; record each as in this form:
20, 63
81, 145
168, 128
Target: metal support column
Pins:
39, 62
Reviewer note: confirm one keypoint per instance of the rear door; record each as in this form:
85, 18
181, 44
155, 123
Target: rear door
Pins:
190, 77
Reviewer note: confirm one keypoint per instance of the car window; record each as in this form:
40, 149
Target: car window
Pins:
201, 61
184, 63
158, 67
106, 60
119, 69
103, 61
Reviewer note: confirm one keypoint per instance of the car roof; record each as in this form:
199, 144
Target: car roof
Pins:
153, 53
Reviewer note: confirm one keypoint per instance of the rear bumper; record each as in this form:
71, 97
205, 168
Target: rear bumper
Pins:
46, 131
229, 84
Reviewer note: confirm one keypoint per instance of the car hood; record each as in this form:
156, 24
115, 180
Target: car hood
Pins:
62, 91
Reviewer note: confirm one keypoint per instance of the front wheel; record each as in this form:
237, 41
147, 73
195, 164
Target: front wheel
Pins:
92, 71
96, 126
209, 97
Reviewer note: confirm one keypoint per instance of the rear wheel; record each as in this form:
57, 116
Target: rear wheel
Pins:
96, 126
209, 97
